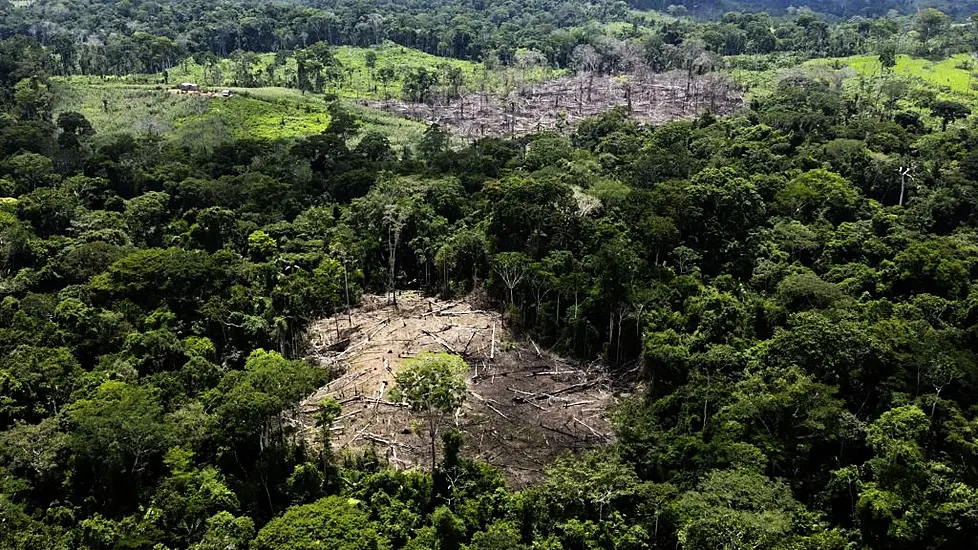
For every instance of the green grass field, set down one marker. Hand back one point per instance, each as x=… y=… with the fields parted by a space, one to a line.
x=118 y=106
x=356 y=79
x=362 y=82
x=756 y=74
x=952 y=78
x=948 y=76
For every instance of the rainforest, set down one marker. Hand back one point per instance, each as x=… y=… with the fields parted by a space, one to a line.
x=488 y=275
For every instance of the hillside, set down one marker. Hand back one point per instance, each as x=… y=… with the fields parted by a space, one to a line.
x=354 y=76
x=952 y=78
x=204 y=120
x=267 y=102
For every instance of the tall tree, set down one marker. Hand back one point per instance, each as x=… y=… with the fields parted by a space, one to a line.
x=432 y=385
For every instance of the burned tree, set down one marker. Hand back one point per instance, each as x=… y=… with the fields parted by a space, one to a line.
x=588 y=61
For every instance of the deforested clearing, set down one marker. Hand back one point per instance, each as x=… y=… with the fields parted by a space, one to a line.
x=562 y=103
x=524 y=405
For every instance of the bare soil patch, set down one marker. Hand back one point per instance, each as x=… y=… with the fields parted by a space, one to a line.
x=198 y=93
x=561 y=104
x=524 y=407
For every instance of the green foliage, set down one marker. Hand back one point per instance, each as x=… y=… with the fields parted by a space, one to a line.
x=190 y=498
x=432 y=384
x=949 y=111
x=340 y=521
x=260 y=244
x=44 y=381
x=498 y=536
x=819 y=195
x=251 y=401
x=226 y=532
x=791 y=287
x=734 y=509
x=117 y=432
x=32 y=99
x=807 y=290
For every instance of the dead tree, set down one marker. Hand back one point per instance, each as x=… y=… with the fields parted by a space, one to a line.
x=587 y=60
x=395 y=217
x=905 y=172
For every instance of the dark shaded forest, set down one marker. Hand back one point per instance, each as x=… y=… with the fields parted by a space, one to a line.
x=146 y=36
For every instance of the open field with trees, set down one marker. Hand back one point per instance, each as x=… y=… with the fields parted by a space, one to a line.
x=155 y=110
x=350 y=72
x=206 y=120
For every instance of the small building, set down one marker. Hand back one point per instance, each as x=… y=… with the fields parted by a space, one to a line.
x=188 y=87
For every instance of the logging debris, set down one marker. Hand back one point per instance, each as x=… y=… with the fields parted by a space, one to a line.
x=524 y=403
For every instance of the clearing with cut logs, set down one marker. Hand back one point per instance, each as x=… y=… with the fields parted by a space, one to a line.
x=524 y=407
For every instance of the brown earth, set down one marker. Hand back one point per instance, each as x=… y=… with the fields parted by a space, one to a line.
x=562 y=103
x=525 y=406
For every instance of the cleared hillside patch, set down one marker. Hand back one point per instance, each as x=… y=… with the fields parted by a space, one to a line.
x=525 y=406
x=564 y=102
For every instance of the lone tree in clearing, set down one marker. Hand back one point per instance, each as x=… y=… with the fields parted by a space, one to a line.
x=432 y=384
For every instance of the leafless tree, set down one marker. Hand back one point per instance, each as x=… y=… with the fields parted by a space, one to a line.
x=588 y=61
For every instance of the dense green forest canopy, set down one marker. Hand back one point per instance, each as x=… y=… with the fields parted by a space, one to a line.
x=149 y=36
x=838 y=8
x=792 y=289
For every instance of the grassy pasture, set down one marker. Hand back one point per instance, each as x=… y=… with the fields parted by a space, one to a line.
x=923 y=80
x=114 y=108
x=357 y=80
x=118 y=106
x=952 y=77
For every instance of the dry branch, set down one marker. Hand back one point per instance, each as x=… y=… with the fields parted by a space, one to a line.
x=559 y=431
x=536 y=396
x=374 y=437
x=530 y=402
x=382 y=402
x=539 y=354
x=596 y=434
x=440 y=311
x=495 y=410
x=574 y=388
x=478 y=377
x=441 y=341
x=471 y=336
x=492 y=350
x=347 y=415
